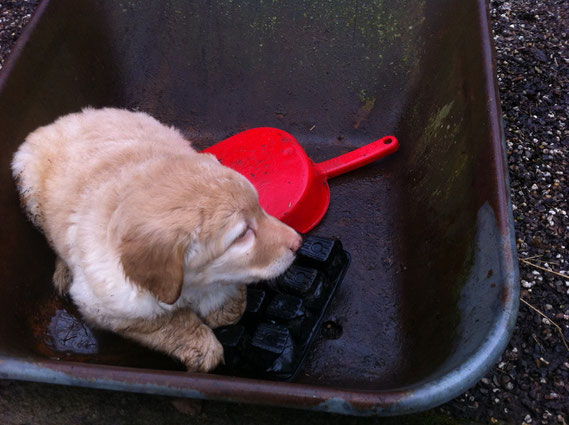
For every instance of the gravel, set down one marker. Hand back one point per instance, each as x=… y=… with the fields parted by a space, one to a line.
x=14 y=15
x=530 y=385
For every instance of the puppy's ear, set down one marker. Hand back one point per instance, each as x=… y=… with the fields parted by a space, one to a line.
x=155 y=263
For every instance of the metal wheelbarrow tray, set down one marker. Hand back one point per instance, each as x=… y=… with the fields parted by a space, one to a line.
x=430 y=300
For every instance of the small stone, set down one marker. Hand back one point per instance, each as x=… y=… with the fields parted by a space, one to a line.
x=527 y=284
x=495 y=381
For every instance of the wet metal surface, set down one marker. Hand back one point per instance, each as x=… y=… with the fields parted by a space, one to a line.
x=431 y=296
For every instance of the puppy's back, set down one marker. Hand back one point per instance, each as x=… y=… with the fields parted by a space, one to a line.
x=62 y=165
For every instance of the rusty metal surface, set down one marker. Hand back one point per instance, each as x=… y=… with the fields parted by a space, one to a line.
x=431 y=297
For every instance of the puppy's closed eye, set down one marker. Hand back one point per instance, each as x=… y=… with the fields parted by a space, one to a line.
x=245 y=236
x=239 y=234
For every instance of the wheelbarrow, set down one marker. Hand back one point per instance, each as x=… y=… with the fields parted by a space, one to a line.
x=430 y=299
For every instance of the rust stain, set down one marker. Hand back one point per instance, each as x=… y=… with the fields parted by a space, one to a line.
x=364 y=112
x=506 y=295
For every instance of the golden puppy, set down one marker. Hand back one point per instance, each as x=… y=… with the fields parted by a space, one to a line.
x=154 y=240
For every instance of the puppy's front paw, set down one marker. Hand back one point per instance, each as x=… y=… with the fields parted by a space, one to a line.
x=205 y=354
x=62 y=276
x=230 y=312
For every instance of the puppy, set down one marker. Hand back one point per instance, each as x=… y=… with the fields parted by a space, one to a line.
x=154 y=240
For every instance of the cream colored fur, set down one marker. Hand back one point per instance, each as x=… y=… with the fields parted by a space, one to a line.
x=154 y=240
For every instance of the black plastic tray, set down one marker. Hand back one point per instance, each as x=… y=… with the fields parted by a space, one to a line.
x=282 y=318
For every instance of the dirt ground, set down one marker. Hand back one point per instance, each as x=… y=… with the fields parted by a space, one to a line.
x=530 y=385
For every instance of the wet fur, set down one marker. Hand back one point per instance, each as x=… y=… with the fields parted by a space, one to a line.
x=151 y=236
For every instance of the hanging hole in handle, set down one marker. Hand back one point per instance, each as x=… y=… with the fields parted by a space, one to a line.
x=388 y=141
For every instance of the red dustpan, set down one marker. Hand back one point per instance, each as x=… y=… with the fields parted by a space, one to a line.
x=291 y=186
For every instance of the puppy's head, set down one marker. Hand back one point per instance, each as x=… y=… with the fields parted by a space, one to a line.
x=196 y=222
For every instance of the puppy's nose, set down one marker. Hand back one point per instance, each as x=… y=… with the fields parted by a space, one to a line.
x=296 y=243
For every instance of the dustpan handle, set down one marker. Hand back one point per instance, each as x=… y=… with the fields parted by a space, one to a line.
x=358 y=158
